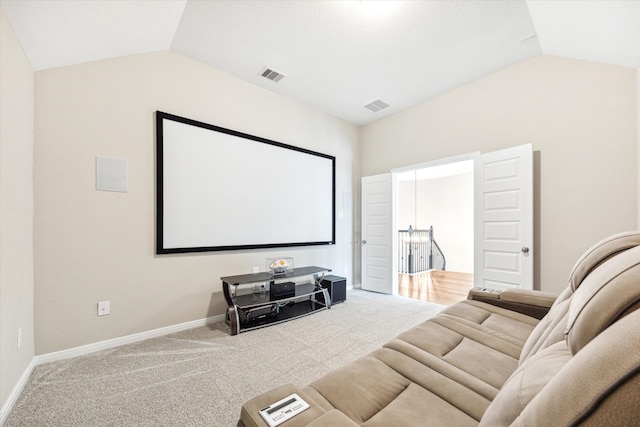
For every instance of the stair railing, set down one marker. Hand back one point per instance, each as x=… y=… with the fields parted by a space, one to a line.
x=418 y=251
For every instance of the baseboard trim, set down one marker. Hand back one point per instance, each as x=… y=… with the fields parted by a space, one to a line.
x=127 y=339
x=15 y=393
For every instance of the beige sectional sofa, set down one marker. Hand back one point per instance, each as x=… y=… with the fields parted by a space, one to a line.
x=516 y=357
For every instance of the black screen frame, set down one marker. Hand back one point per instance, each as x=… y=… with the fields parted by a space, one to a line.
x=160 y=186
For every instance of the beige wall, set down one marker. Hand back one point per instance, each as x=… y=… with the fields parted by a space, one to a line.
x=93 y=246
x=580 y=118
x=638 y=135
x=16 y=210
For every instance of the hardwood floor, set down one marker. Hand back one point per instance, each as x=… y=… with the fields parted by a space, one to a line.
x=440 y=287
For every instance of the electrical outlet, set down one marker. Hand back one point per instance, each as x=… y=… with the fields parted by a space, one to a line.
x=104 y=308
x=19 y=338
x=256 y=270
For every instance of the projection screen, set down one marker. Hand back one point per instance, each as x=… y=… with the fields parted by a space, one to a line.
x=219 y=189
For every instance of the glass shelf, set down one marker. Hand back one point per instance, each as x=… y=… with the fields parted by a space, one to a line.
x=252 y=300
x=255 y=310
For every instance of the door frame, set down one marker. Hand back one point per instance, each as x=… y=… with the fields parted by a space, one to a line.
x=453 y=159
x=394 y=198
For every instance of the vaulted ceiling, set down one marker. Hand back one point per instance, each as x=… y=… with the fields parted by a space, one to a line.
x=337 y=56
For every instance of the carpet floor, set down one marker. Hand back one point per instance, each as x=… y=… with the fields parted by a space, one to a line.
x=202 y=376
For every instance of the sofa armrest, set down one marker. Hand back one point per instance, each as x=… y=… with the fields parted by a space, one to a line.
x=532 y=303
x=526 y=296
x=250 y=417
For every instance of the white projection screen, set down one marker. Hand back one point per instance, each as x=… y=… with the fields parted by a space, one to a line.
x=218 y=189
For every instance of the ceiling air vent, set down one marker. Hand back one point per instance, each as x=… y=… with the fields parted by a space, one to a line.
x=376 y=105
x=272 y=75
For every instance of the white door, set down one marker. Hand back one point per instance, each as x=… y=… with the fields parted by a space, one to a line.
x=503 y=199
x=377 y=240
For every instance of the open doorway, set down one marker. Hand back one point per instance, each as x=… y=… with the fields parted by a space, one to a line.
x=502 y=212
x=434 y=208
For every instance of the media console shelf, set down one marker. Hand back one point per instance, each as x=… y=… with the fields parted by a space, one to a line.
x=248 y=309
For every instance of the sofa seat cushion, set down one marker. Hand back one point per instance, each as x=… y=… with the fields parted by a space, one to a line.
x=454 y=346
x=491 y=326
x=442 y=367
x=506 y=324
x=481 y=334
x=419 y=407
x=371 y=390
x=452 y=392
x=362 y=388
x=333 y=418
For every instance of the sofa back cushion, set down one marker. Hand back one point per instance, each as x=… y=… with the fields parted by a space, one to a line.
x=609 y=293
x=552 y=327
x=524 y=384
x=598 y=386
x=600 y=252
x=598 y=361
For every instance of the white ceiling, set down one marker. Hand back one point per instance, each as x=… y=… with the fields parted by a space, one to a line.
x=337 y=55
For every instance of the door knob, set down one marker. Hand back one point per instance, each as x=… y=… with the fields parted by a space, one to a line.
x=525 y=249
x=364 y=242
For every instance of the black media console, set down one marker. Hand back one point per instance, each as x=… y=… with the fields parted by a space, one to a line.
x=254 y=307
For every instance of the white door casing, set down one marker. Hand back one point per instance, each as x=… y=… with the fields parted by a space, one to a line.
x=503 y=205
x=377 y=238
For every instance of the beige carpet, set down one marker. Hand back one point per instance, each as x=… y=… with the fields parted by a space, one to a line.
x=202 y=376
